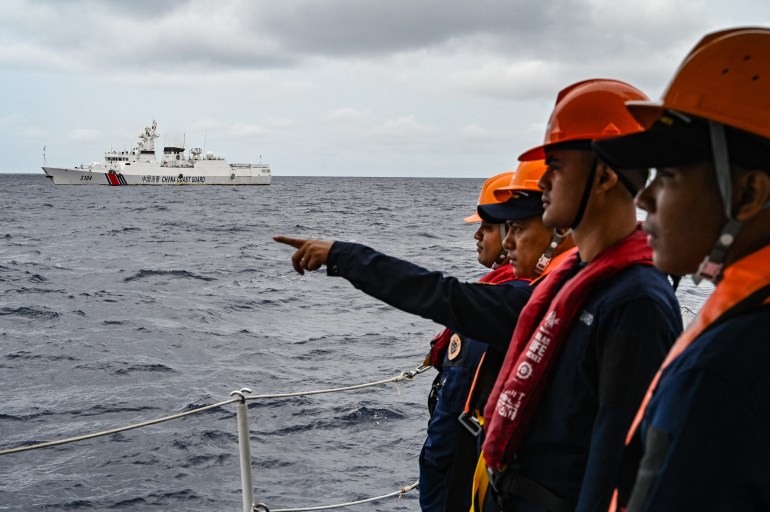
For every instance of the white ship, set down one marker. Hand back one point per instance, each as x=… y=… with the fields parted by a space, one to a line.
x=140 y=167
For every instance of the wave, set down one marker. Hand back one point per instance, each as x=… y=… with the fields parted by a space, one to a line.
x=144 y=274
x=361 y=416
x=125 y=369
x=24 y=289
x=29 y=356
x=128 y=229
x=144 y=368
x=100 y=409
x=31 y=313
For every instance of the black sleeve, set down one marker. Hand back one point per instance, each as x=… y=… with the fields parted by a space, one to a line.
x=637 y=336
x=484 y=312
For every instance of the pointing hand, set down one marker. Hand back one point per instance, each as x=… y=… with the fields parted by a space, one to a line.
x=310 y=255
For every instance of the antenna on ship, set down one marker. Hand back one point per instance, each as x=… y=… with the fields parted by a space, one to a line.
x=45 y=162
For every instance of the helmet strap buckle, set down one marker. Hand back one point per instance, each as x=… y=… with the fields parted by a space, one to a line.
x=547 y=256
x=542 y=262
x=711 y=267
x=708 y=270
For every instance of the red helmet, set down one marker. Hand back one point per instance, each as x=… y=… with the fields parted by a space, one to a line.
x=589 y=110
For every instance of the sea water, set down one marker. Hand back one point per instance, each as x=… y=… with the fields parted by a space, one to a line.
x=124 y=304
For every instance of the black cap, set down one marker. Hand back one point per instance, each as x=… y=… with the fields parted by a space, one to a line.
x=677 y=139
x=523 y=205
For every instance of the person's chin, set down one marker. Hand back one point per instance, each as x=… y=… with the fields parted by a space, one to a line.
x=551 y=221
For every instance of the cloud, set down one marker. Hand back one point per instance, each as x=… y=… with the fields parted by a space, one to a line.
x=33 y=132
x=367 y=28
x=348 y=115
x=513 y=81
x=85 y=134
x=477 y=132
x=404 y=127
x=278 y=123
x=192 y=36
x=467 y=84
x=198 y=36
x=240 y=130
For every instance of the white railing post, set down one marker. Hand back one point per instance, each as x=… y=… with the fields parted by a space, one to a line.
x=244 y=446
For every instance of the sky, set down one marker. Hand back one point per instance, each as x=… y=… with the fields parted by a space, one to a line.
x=423 y=88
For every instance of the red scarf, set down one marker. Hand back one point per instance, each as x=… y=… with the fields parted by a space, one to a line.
x=740 y=280
x=440 y=342
x=543 y=327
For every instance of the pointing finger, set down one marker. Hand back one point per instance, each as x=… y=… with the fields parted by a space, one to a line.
x=294 y=242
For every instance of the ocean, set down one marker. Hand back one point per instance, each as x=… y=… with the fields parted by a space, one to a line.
x=125 y=304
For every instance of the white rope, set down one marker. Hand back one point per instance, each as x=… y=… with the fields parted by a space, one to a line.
x=262 y=508
x=398 y=378
x=116 y=430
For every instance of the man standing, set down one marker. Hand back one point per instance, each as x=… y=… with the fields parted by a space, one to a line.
x=594 y=331
x=705 y=432
x=471 y=310
x=449 y=452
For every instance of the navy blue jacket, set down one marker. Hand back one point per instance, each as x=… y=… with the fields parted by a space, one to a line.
x=448 y=457
x=707 y=427
x=574 y=444
x=487 y=313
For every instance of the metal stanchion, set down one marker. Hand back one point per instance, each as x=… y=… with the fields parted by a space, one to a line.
x=244 y=446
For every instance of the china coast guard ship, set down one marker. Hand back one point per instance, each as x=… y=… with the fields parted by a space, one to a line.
x=140 y=167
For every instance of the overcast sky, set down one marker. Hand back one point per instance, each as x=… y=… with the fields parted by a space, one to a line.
x=326 y=87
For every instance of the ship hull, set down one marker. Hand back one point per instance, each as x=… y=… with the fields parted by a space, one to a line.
x=155 y=175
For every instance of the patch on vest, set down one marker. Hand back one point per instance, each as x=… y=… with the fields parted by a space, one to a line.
x=455 y=344
x=586 y=317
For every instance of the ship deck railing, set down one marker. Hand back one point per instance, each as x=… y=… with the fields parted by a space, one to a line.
x=250 y=166
x=240 y=398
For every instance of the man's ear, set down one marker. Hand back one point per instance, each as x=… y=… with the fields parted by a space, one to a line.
x=752 y=191
x=606 y=176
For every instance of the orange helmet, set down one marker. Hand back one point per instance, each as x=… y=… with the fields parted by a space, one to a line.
x=519 y=198
x=527 y=176
x=724 y=79
x=487 y=195
x=718 y=96
x=589 y=110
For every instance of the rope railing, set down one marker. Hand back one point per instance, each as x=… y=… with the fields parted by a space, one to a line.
x=261 y=507
x=403 y=376
x=240 y=397
x=406 y=375
x=147 y=423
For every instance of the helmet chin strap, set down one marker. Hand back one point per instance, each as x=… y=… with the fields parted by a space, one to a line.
x=503 y=252
x=586 y=194
x=711 y=267
x=547 y=256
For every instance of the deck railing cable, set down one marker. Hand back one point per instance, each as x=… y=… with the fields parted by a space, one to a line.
x=261 y=507
x=240 y=397
x=403 y=376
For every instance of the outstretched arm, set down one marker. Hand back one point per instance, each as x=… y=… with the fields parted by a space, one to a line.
x=484 y=312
